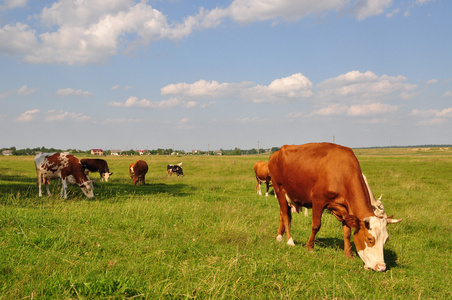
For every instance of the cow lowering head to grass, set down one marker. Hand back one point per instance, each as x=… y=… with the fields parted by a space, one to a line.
x=324 y=175
x=63 y=166
x=137 y=172
x=96 y=165
x=262 y=175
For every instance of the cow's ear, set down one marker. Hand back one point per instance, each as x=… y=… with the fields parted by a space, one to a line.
x=352 y=221
x=111 y=173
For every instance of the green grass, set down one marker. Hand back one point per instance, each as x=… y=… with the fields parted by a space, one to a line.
x=209 y=236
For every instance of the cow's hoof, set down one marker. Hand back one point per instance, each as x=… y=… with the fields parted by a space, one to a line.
x=279 y=238
x=290 y=242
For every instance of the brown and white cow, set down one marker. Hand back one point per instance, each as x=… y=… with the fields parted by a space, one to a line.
x=324 y=175
x=96 y=165
x=262 y=175
x=64 y=166
x=137 y=172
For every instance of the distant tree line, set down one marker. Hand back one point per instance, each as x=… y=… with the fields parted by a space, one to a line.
x=131 y=152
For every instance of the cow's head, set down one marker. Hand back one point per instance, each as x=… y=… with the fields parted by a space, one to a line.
x=87 y=188
x=370 y=236
x=106 y=175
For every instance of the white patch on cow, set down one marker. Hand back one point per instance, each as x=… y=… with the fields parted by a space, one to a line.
x=290 y=242
x=259 y=188
x=279 y=238
x=373 y=257
x=105 y=176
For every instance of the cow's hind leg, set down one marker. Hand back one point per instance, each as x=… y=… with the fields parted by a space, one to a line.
x=268 y=186
x=285 y=217
x=258 y=187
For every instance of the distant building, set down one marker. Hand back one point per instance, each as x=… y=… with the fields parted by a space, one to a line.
x=7 y=152
x=217 y=152
x=141 y=152
x=115 y=152
x=99 y=152
x=196 y=152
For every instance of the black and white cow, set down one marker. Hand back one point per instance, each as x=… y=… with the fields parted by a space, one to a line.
x=177 y=169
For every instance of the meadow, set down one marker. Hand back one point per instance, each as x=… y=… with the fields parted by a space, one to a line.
x=209 y=236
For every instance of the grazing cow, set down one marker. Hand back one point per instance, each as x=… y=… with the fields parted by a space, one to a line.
x=324 y=175
x=170 y=169
x=96 y=165
x=262 y=175
x=137 y=172
x=64 y=166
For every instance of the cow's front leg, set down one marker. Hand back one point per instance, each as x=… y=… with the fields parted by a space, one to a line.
x=316 y=224
x=63 y=188
x=347 y=245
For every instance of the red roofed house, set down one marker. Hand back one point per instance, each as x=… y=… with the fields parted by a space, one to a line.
x=97 y=152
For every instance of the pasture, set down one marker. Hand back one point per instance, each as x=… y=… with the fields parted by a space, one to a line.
x=209 y=236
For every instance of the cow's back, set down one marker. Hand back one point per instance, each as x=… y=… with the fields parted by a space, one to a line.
x=261 y=170
x=305 y=169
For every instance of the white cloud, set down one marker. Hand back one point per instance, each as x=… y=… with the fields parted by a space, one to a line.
x=25 y=90
x=51 y=116
x=366 y=86
x=448 y=94
x=11 y=4
x=368 y=8
x=72 y=92
x=27 y=116
x=357 y=110
x=133 y=102
x=432 y=116
x=93 y=31
x=431 y=81
x=294 y=87
x=203 y=89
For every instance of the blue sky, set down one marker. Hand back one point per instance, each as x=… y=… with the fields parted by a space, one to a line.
x=121 y=74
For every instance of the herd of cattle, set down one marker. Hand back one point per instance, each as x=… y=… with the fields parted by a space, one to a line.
x=317 y=176
x=70 y=169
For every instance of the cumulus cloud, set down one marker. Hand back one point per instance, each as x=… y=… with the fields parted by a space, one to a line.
x=203 y=89
x=27 y=116
x=357 y=110
x=448 y=94
x=71 y=92
x=432 y=116
x=51 y=116
x=25 y=90
x=93 y=31
x=294 y=87
x=365 y=86
x=11 y=4
x=133 y=102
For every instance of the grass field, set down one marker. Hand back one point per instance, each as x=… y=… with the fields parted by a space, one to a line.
x=209 y=236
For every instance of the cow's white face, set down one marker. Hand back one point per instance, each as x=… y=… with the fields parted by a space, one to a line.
x=369 y=241
x=106 y=176
x=88 y=188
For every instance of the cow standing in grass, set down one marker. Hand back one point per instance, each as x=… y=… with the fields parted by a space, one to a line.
x=262 y=175
x=137 y=172
x=64 y=166
x=96 y=165
x=324 y=175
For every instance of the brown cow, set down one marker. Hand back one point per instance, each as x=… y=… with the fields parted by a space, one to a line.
x=324 y=175
x=96 y=165
x=64 y=166
x=262 y=175
x=137 y=172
